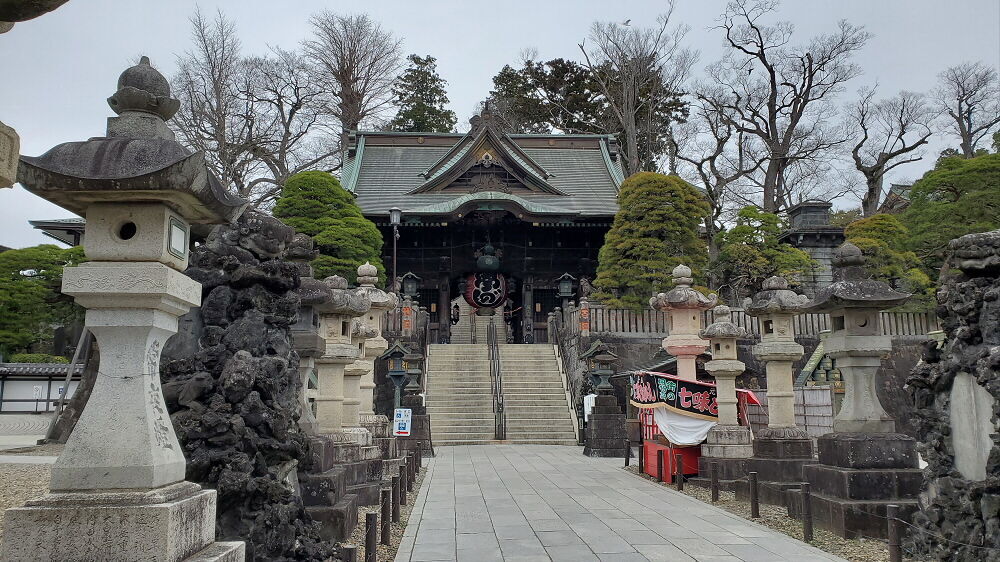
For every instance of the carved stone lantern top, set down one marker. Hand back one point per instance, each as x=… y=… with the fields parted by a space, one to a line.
x=380 y=300
x=775 y=298
x=137 y=162
x=852 y=287
x=723 y=326
x=683 y=296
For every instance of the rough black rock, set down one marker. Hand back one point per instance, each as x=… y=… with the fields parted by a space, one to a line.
x=231 y=384
x=959 y=519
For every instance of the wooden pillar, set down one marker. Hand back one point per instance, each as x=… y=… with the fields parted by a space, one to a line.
x=528 y=312
x=444 y=308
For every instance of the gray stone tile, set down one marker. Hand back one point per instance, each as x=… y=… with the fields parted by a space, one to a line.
x=663 y=553
x=623 y=557
x=480 y=555
x=513 y=548
x=436 y=536
x=426 y=552
x=484 y=541
x=571 y=554
x=559 y=538
x=548 y=525
x=635 y=537
x=698 y=547
x=749 y=552
x=436 y=523
x=514 y=532
x=724 y=537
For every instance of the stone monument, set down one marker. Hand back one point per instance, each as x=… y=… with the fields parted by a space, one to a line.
x=780 y=449
x=685 y=306
x=956 y=390
x=809 y=230
x=118 y=489
x=728 y=444
x=605 y=431
x=863 y=465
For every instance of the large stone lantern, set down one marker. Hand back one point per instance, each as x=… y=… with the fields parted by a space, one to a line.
x=728 y=443
x=685 y=306
x=863 y=465
x=336 y=326
x=375 y=344
x=118 y=489
x=780 y=449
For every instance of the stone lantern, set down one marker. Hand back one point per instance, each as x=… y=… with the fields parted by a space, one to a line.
x=118 y=489
x=336 y=326
x=780 y=449
x=878 y=465
x=728 y=443
x=606 y=435
x=305 y=332
x=375 y=344
x=685 y=306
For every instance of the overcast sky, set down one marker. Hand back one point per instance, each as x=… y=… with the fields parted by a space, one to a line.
x=57 y=71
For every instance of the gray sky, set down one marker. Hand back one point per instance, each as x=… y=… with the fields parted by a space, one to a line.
x=56 y=71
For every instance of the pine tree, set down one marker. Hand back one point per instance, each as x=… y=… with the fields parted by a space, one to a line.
x=882 y=239
x=314 y=203
x=655 y=229
x=420 y=95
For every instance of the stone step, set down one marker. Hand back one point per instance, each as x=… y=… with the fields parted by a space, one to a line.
x=555 y=441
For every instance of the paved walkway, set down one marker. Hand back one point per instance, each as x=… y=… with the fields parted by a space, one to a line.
x=537 y=502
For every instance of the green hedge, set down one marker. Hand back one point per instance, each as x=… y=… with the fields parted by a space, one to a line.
x=37 y=358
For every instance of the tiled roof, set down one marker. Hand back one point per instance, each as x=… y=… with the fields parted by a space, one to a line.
x=381 y=174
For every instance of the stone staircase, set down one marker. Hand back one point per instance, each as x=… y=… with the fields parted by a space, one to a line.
x=460 y=401
x=461 y=333
x=537 y=409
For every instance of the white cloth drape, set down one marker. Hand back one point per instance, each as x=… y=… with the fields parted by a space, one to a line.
x=680 y=429
x=588 y=405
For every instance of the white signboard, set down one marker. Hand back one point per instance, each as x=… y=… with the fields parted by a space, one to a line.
x=37 y=392
x=401 y=422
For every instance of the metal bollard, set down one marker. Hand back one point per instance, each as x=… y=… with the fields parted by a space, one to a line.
x=411 y=473
x=679 y=472
x=659 y=465
x=349 y=553
x=895 y=549
x=807 y=513
x=628 y=451
x=371 y=537
x=403 y=477
x=754 y=498
x=420 y=456
x=642 y=455
x=386 y=516
x=714 y=472
x=395 y=499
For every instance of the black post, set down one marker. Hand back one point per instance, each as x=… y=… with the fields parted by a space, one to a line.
x=403 y=477
x=659 y=465
x=386 y=516
x=371 y=537
x=895 y=551
x=350 y=553
x=395 y=499
x=628 y=451
x=807 y=513
x=420 y=456
x=642 y=452
x=754 y=499
x=714 y=472
x=679 y=472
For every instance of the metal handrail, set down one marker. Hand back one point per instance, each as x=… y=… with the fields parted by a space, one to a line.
x=496 y=383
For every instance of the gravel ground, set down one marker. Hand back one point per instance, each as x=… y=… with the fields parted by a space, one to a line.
x=53 y=450
x=22 y=482
x=396 y=533
x=859 y=550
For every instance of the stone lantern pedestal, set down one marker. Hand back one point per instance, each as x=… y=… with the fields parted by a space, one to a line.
x=605 y=432
x=728 y=445
x=781 y=449
x=863 y=465
x=118 y=489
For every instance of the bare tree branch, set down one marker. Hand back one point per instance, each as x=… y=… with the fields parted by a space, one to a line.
x=969 y=94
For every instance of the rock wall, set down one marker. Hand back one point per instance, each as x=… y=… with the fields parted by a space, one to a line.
x=955 y=390
x=230 y=380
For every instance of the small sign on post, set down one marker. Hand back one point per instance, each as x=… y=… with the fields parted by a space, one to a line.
x=401 y=421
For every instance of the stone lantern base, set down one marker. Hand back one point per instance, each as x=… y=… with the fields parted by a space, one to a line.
x=729 y=447
x=778 y=457
x=343 y=476
x=605 y=429
x=858 y=475
x=168 y=524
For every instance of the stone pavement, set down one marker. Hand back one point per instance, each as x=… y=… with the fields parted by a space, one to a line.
x=539 y=502
x=22 y=430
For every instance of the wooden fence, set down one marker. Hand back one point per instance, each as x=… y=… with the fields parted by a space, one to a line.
x=597 y=319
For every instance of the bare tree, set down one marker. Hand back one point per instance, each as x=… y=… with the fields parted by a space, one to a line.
x=889 y=133
x=717 y=154
x=638 y=70
x=784 y=94
x=259 y=120
x=357 y=61
x=970 y=95
x=214 y=117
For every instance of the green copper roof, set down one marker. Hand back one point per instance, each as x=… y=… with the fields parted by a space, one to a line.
x=483 y=198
